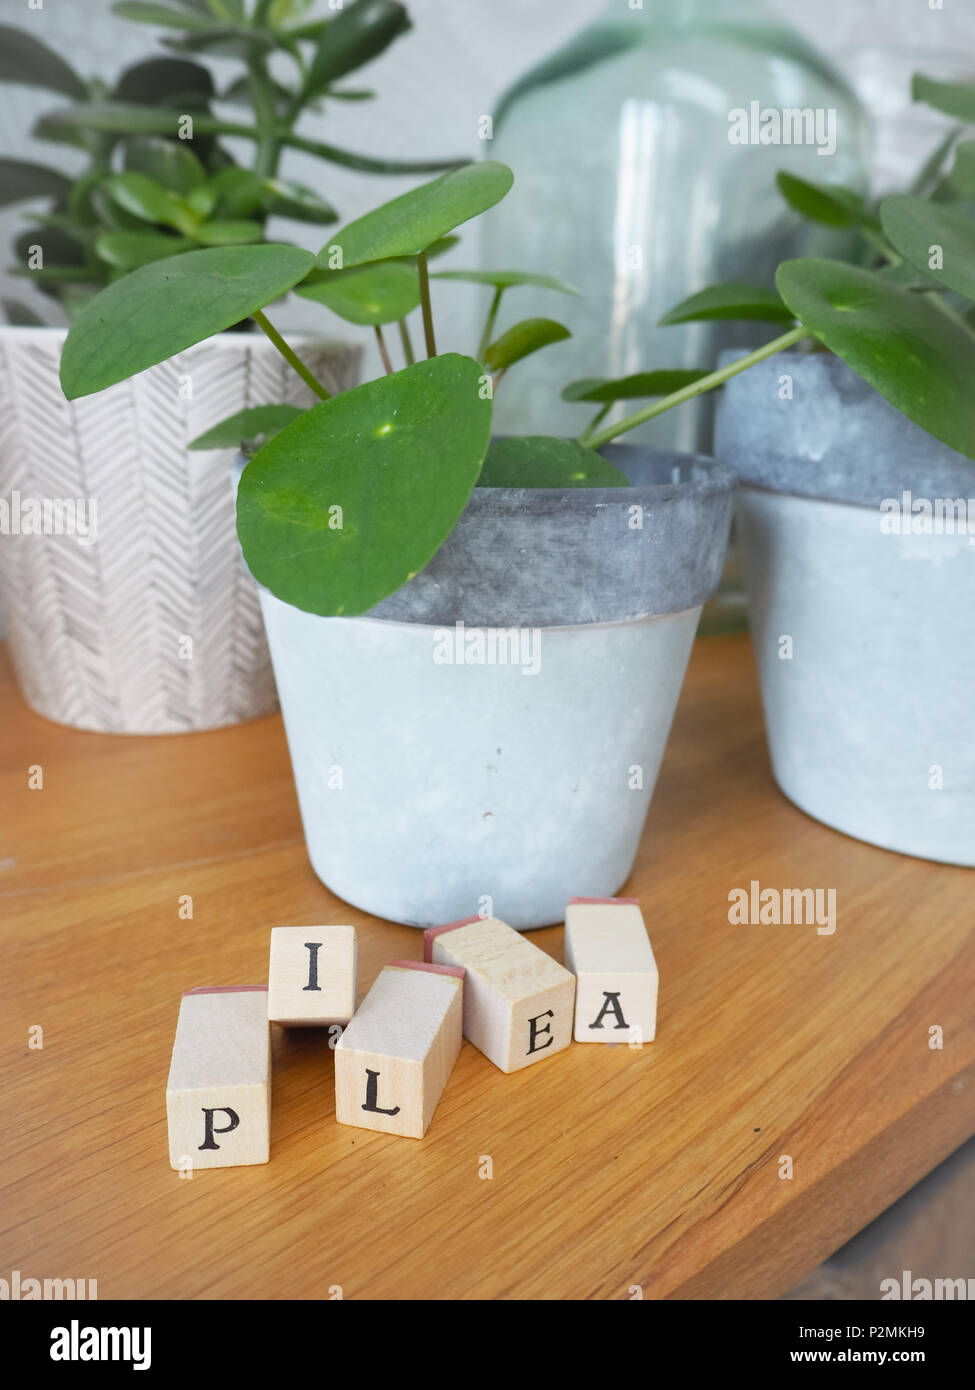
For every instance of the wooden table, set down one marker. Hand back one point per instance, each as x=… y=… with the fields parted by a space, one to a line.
x=612 y=1167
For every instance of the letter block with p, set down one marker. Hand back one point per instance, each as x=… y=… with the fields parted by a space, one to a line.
x=517 y=1000
x=218 y=1098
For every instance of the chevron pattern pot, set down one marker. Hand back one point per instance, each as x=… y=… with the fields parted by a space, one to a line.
x=150 y=624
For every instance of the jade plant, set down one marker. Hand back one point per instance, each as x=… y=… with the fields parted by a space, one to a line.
x=902 y=317
x=158 y=181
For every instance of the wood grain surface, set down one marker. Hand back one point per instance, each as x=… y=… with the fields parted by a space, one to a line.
x=612 y=1168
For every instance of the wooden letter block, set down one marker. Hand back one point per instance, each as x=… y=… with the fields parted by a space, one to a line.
x=218 y=1098
x=607 y=947
x=517 y=1000
x=393 y=1060
x=312 y=975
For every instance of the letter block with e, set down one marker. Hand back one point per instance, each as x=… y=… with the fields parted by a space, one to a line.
x=517 y=1000
x=609 y=951
x=218 y=1098
x=393 y=1060
x=312 y=975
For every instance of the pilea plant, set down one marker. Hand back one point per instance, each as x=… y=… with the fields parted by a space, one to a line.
x=158 y=181
x=902 y=318
x=344 y=502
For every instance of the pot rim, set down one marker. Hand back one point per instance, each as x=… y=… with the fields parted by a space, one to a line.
x=563 y=557
x=837 y=439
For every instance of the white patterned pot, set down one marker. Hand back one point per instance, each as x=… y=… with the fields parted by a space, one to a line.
x=123 y=597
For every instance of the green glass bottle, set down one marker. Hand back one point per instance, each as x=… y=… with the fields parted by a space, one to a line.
x=642 y=174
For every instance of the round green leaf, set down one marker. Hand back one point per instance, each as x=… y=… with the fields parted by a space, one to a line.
x=831 y=204
x=731 y=301
x=410 y=223
x=354 y=498
x=26 y=60
x=625 y=388
x=20 y=179
x=146 y=12
x=355 y=36
x=918 y=228
x=237 y=233
x=374 y=295
x=954 y=98
x=169 y=162
x=129 y=250
x=257 y=424
x=145 y=198
x=238 y=192
x=164 y=80
x=287 y=199
x=521 y=340
x=962 y=176
x=540 y=461
x=505 y=279
x=166 y=307
x=916 y=357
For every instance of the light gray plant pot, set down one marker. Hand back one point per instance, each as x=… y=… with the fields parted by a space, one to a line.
x=433 y=788
x=150 y=627
x=862 y=636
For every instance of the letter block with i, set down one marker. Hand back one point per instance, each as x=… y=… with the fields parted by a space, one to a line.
x=607 y=947
x=312 y=975
x=517 y=1000
x=218 y=1098
x=393 y=1060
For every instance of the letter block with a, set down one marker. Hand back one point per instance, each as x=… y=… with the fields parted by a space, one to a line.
x=517 y=1000
x=218 y=1098
x=609 y=951
x=312 y=975
x=393 y=1060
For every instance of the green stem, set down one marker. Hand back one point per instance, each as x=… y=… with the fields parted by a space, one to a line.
x=424 y=274
x=934 y=297
x=383 y=350
x=404 y=337
x=268 y=141
x=696 y=388
x=880 y=244
x=489 y=323
x=290 y=356
x=590 y=429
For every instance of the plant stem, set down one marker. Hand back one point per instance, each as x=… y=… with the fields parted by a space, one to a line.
x=424 y=274
x=489 y=323
x=696 y=388
x=383 y=350
x=881 y=244
x=268 y=142
x=594 y=422
x=290 y=356
x=404 y=337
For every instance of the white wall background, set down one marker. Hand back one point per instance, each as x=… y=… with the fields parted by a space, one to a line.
x=434 y=83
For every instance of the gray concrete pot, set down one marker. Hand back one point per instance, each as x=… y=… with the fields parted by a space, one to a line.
x=437 y=780
x=862 y=629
